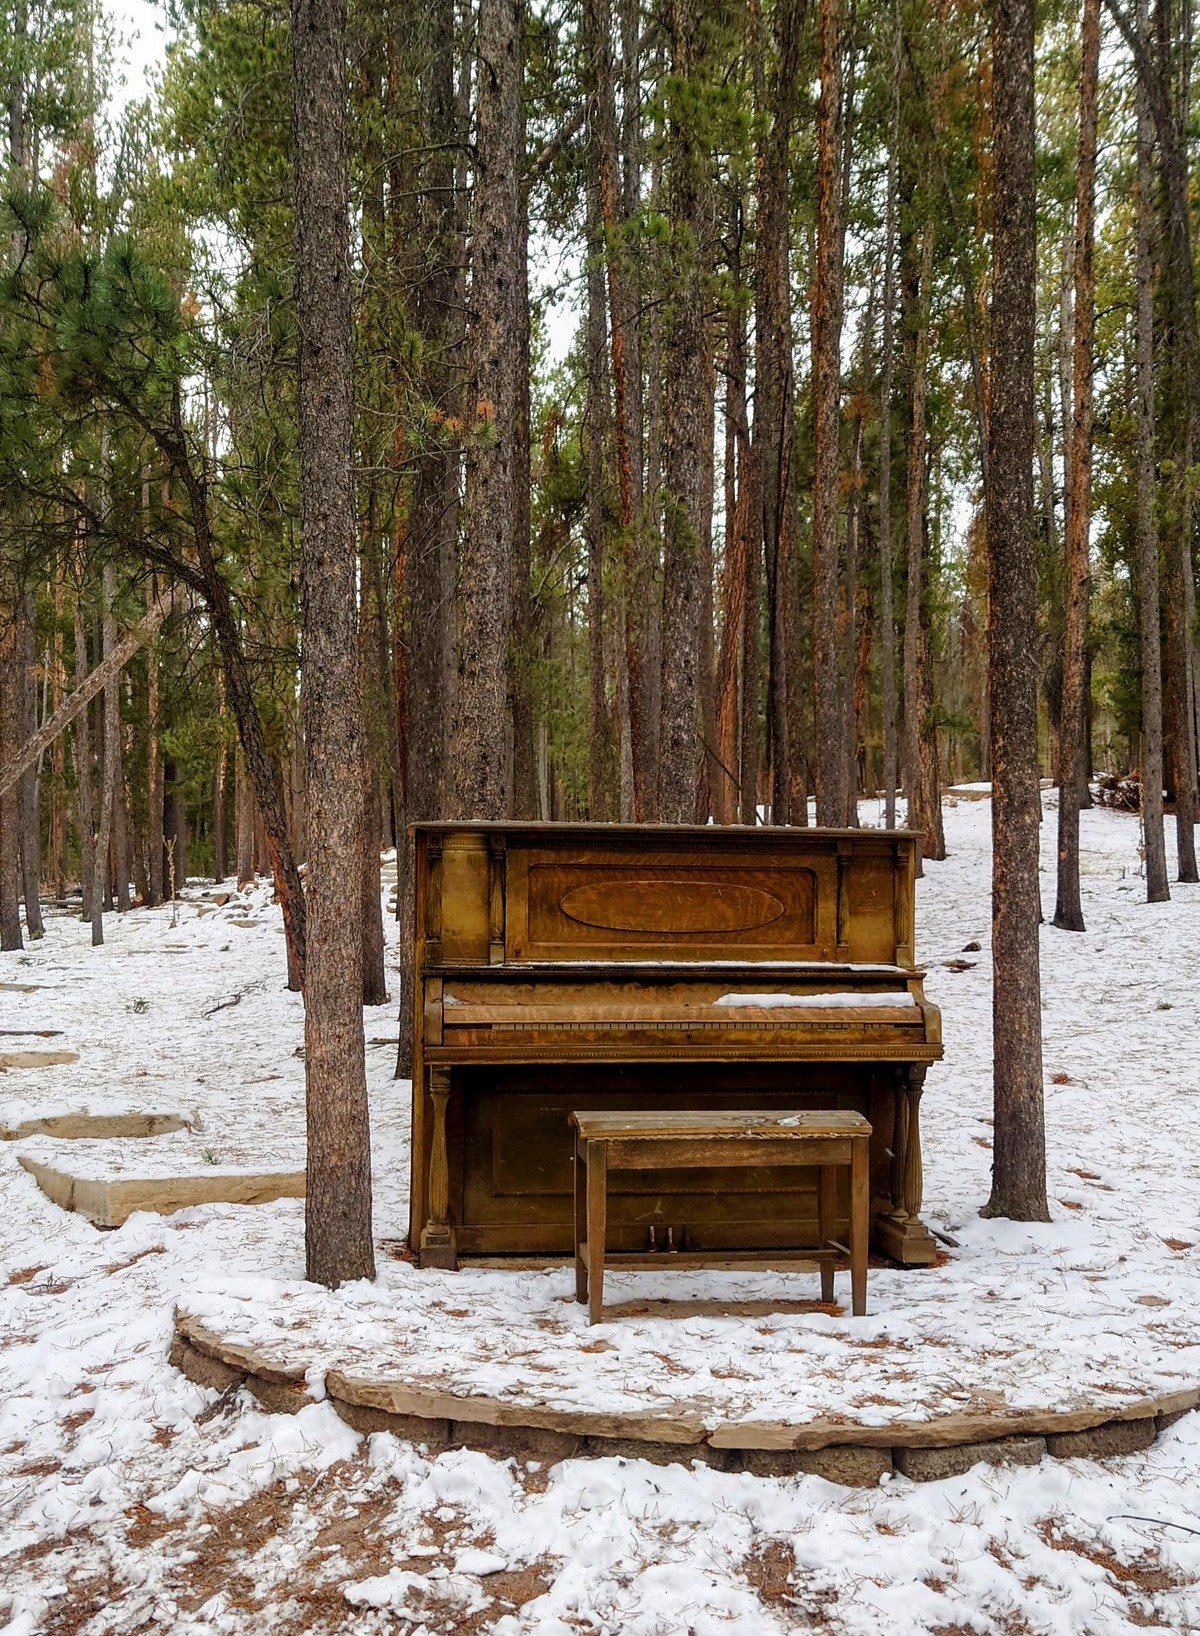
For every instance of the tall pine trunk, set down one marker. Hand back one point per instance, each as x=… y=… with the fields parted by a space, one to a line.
x=1074 y=745
x=31 y=835
x=689 y=422
x=887 y=619
x=832 y=796
x=480 y=785
x=338 y=1238
x=1019 y=1154
x=1157 y=887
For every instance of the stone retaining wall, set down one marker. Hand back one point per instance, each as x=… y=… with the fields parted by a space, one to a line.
x=855 y=1455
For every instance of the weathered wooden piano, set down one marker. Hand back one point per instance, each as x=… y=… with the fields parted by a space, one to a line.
x=588 y=966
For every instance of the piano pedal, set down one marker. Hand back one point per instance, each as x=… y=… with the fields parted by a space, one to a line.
x=672 y=1247
x=651 y=1238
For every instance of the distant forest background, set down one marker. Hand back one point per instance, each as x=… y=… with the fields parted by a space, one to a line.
x=723 y=553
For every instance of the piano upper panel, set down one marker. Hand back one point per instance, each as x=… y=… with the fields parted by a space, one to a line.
x=513 y=894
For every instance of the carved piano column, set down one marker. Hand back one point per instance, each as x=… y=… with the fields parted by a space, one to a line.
x=901 y=1233
x=438 y=1247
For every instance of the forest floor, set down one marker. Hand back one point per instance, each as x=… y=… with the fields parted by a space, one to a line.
x=134 y=1501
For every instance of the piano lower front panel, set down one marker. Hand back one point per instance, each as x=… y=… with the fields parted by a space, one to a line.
x=509 y=1149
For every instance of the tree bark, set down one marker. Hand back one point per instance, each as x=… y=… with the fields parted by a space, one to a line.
x=832 y=799
x=887 y=619
x=1019 y=1155
x=601 y=744
x=220 y=792
x=338 y=1238
x=689 y=421
x=31 y=836
x=83 y=768
x=521 y=636
x=423 y=611
x=773 y=477
x=1074 y=747
x=245 y=823
x=1157 y=887
x=921 y=816
x=484 y=597
x=111 y=763
x=11 y=700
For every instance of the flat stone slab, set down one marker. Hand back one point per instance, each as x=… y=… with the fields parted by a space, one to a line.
x=108 y=1181
x=383 y=1398
x=37 y=1059
x=82 y=1126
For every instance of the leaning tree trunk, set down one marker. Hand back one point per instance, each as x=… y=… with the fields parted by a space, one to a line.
x=1157 y=887
x=1074 y=747
x=1019 y=1155
x=338 y=1239
x=489 y=513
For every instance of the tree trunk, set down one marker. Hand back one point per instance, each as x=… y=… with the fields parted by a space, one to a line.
x=83 y=769
x=887 y=619
x=338 y=1239
x=220 y=792
x=1157 y=888
x=1179 y=348
x=31 y=835
x=422 y=629
x=245 y=823
x=372 y=648
x=11 y=710
x=689 y=420
x=58 y=760
x=484 y=594
x=832 y=799
x=520 y=654
x=1074 y=748
x=109 y=771
x=773 y=476
x=916 y=655
x=1019 y=1155
x=601 y=745
x=739 y=520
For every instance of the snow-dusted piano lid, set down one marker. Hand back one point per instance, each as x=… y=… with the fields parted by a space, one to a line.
x=818 y=1001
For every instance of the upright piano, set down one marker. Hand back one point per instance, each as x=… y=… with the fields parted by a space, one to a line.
x=595 y=966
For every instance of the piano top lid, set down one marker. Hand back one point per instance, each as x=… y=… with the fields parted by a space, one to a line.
x=755 y=969
x=722 y=834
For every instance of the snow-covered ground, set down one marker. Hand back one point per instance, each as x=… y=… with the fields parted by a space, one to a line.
x=131 y=1500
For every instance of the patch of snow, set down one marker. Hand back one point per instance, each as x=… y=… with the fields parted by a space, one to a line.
x=842 y=999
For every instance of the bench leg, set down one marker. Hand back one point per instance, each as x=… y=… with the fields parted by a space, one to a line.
x=597 y=1188
x=826 y=1216
x=860 y=1206
x=580 y=1168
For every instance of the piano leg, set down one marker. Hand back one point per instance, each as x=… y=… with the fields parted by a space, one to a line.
x=438 y=1248
x=580 y=1169
x=826 y=1216
x=901 y=1233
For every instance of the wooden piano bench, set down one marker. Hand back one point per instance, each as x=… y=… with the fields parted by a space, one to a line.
x=829 y=1140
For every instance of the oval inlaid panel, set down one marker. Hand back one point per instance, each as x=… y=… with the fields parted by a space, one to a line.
x=671 y=906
